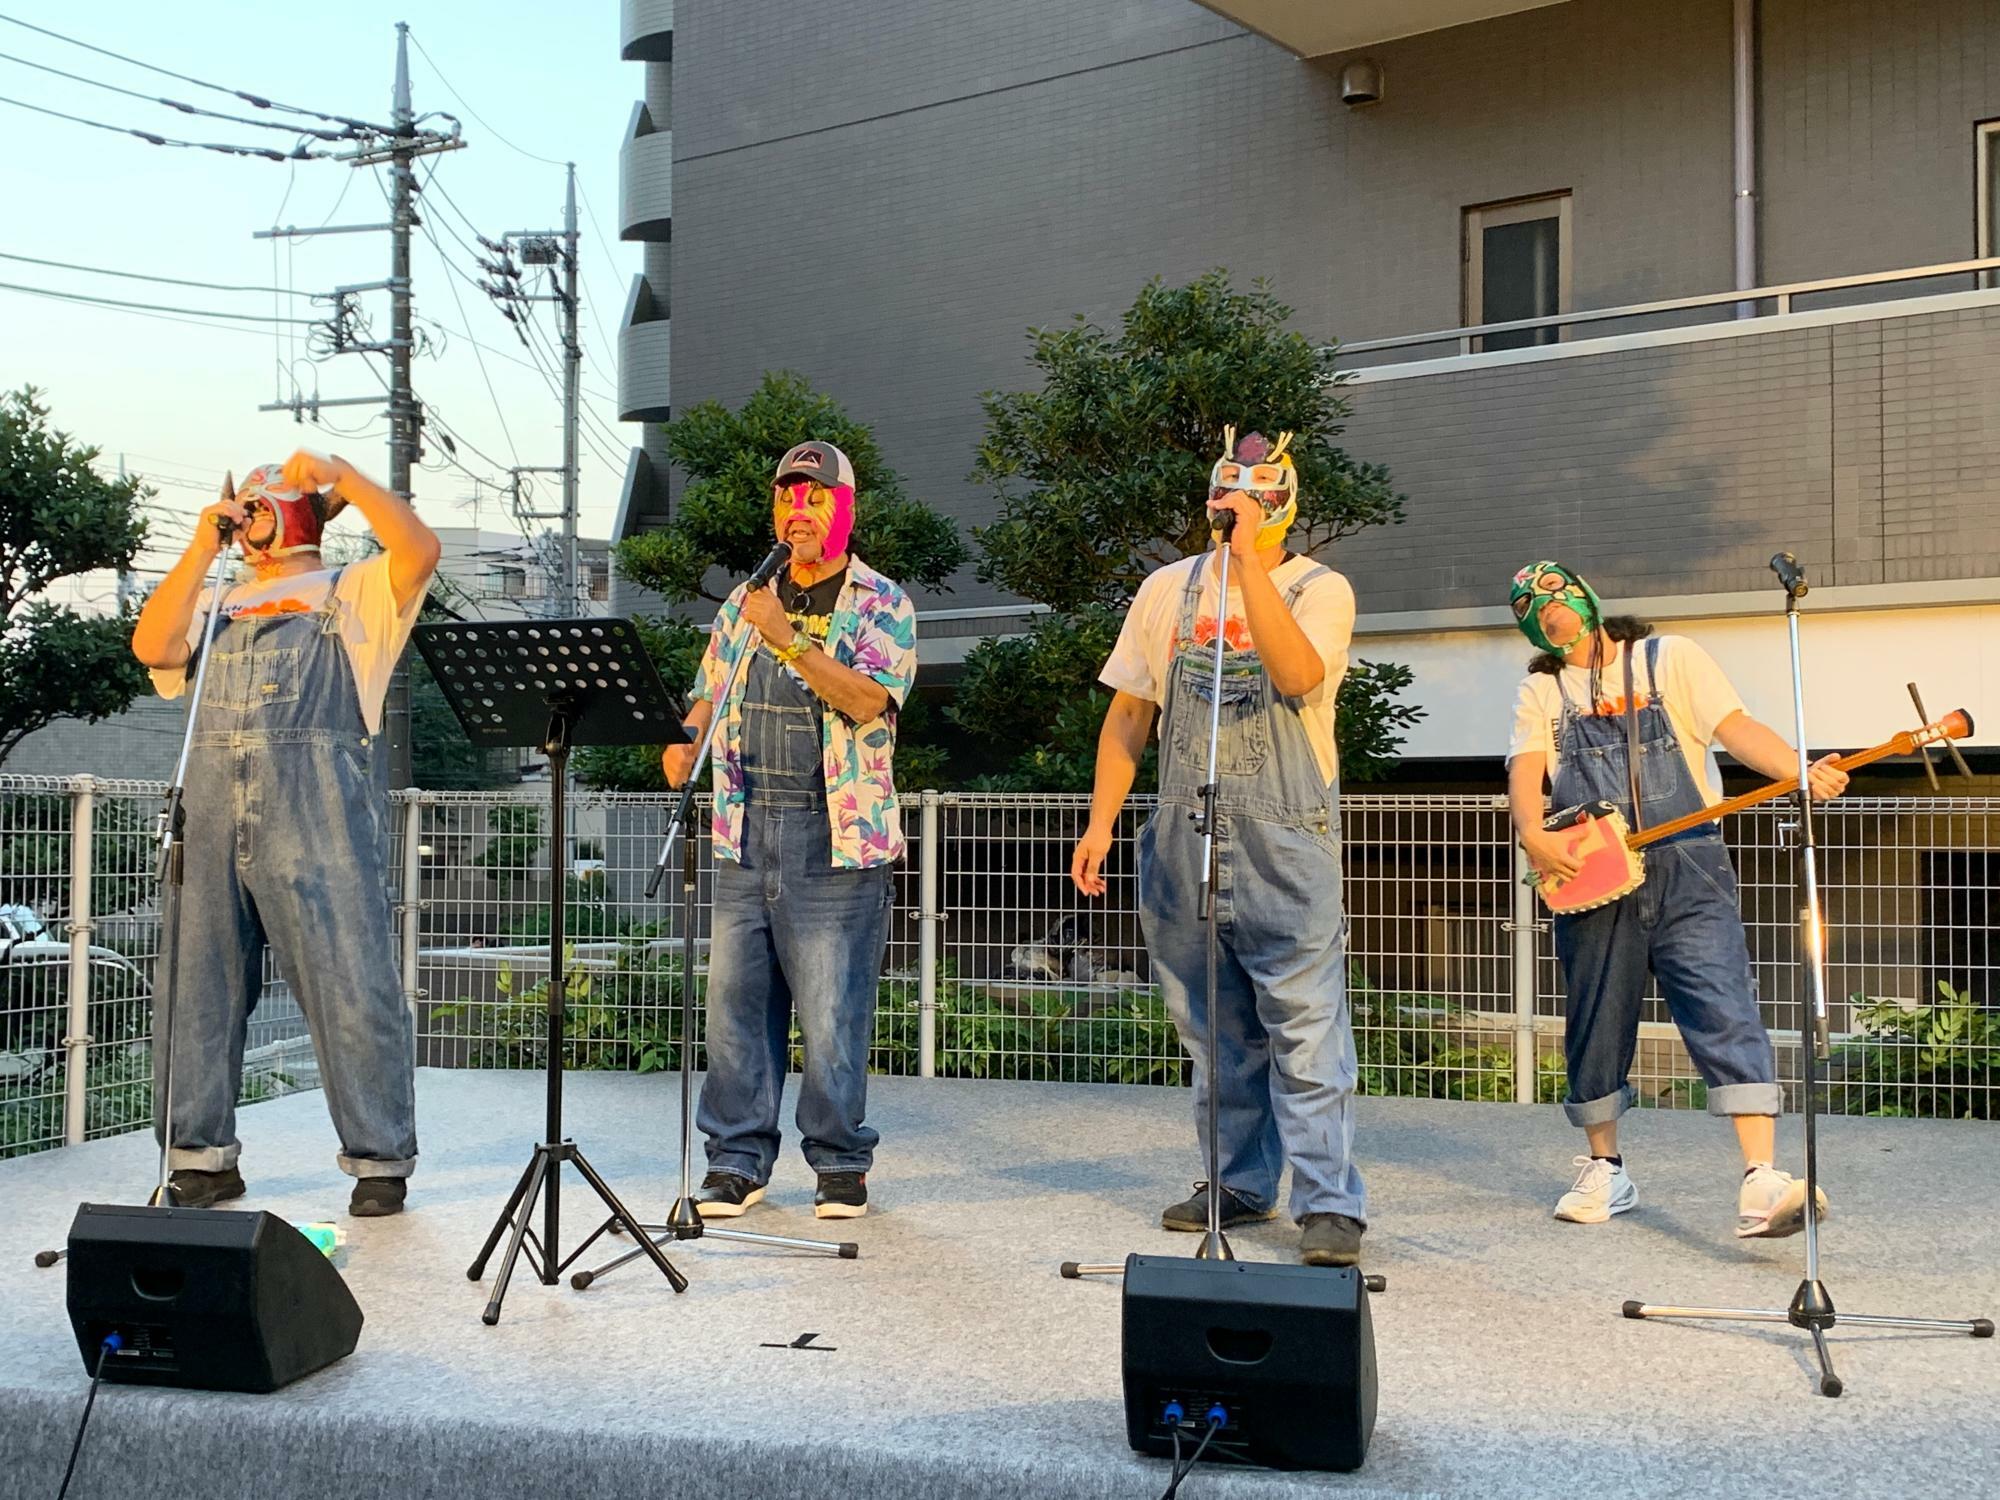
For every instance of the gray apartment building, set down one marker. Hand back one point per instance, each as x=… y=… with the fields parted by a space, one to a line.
x=886 y=194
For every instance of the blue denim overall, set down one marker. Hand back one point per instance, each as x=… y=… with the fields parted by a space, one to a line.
x=287 y=846
x=789 y=933
x=1286 y=1061
x=1682 y=926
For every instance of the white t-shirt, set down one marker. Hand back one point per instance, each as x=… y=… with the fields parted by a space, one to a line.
x=1698 y=697
x=1146 y=646
x=372 y=629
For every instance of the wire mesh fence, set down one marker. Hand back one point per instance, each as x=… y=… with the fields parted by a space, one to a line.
x=996 y=966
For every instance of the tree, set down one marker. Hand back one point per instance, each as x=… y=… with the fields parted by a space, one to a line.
x=59 y=519
x=721 y=529
x=723 y=520
x=1102 y=476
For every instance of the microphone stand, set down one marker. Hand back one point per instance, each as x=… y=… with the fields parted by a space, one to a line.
x=170 y=867
x=1214 y=1243
x=684 y=1220
x=1811 y=1305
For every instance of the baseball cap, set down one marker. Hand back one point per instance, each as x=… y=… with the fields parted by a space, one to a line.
x=821 y=461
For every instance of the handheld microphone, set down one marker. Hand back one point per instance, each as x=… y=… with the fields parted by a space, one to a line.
x=1790 y=574
x=1222 y=522
x=773 y=560
x=226 y=526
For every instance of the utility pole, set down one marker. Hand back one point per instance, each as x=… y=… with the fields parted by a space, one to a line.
x=399 y=148
x=551 y=247
x=572 y=380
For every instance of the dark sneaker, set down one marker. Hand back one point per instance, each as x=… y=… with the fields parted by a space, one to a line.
x=1191 y=1214
x=188 y=1188
x=724 y=1195
x=1330 y=1240
x=841 y=1195
x=377 y=1197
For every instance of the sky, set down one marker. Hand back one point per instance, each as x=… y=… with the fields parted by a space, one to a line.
x=177 y=398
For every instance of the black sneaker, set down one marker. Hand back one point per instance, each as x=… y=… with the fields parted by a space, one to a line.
x=724 y=1195
x=1191 y=1214
x=377 y=1197
x=841 y=1195
x=188 y=1188
x=1330 y=1240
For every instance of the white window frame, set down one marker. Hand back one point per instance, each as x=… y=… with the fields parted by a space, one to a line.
x=1475 y=220
x=1985 y=232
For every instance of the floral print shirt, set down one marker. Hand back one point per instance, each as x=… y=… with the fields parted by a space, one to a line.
x=875 y=633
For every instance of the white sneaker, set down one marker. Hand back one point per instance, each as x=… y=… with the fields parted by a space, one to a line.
x=1601 y=1190
x=1772 y=1204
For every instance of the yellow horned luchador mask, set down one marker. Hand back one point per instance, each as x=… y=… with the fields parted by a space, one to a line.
x=1265 y=473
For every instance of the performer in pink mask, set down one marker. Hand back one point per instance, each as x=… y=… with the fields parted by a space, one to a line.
x=806 y=832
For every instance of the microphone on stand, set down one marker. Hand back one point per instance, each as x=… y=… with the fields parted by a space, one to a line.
x=773 y=560
x=1222 y=522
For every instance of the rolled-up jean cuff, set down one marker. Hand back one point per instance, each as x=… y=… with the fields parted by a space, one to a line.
x=1746 y=1099
x=203 y=1158
x=1601 y=1111
x=361 y=1166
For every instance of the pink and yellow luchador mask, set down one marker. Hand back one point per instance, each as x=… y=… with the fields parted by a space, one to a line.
x=815 y=483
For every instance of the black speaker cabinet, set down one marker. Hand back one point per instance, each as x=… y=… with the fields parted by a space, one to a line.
x=204 y=1297
x=1287 y=1352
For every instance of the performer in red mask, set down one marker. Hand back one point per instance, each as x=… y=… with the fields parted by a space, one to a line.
x=287 y=821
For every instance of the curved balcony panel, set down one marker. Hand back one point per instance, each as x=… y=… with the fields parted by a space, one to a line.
x=646 y=30
x=646 y=181
x=644 y=365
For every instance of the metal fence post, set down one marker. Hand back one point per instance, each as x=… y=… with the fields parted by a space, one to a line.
x=77 y=1038
x=1523 y=927
x=928 y=919
x=413 y=902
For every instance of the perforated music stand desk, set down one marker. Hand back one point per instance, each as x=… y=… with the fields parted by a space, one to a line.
x=553 y=684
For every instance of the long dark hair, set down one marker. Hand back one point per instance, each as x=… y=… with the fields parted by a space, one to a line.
x=1621 y=628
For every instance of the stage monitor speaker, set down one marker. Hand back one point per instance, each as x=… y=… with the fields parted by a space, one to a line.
x=205 y=1298
x=1288 y=1353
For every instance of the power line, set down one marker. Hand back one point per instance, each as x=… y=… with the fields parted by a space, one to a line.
x=467 y=107
x=198 y=312
x=603 y=247
x=299 y=153
x=186 y=109
x=130 y=310
x=459 y=303
x=258 y=100
x=207 y=286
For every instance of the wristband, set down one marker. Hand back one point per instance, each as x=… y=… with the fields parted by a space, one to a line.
x=801 y=644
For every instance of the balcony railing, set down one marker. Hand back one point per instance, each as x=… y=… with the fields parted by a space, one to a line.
x=1747 y=303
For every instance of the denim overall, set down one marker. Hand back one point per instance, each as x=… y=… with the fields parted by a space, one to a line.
x=1682 y=926
x=789 y=933
x=1286 y=1062
x=287 y=845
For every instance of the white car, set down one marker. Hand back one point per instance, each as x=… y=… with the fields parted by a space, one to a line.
x=34 y=994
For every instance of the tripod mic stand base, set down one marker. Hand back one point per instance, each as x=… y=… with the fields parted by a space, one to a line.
x=684 y=1222
x=1812 y=1309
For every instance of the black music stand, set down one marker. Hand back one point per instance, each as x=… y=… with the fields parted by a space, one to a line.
x=552 y=683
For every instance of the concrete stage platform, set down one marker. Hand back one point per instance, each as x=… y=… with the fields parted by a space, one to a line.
x=962 y=1365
